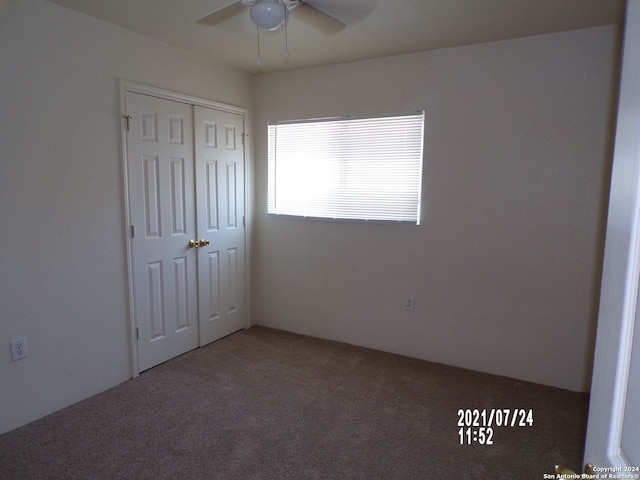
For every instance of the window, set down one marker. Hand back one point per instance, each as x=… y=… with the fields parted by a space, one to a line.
x=347 y=168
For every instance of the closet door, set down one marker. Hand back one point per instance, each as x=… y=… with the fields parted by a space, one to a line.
x=160 y=171
x=220 y=222
x=185 y=179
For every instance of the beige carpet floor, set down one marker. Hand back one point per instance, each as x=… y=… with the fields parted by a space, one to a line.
x=265 y=404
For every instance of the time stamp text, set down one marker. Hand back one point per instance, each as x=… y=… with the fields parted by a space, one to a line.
x=477 y=426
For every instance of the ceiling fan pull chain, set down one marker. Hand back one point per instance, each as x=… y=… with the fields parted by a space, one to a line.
x=258 y=34
x=286 y=37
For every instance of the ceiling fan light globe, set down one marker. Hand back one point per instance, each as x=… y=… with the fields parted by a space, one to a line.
x=268 y=14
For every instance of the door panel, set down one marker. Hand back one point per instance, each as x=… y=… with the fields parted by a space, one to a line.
x=220 y=186
x=211 y=197
x=613 y=431
x=160 y=175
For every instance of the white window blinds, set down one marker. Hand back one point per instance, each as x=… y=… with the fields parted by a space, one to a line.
x=349 y=168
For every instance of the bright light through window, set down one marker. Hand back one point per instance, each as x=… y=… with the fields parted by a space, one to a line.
x=348 y=168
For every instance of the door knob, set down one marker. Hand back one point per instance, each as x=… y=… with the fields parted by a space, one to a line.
x=203 y=243
x=193 y=244
x=589 y=472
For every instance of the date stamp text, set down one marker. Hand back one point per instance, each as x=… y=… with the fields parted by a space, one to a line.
x=477 y=426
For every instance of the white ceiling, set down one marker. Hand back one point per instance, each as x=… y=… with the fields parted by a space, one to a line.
x=375 y=28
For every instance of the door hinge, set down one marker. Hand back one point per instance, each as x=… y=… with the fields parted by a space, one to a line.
x=244 y=223
x=137 y=333
x=133 y=231
x=128 y=119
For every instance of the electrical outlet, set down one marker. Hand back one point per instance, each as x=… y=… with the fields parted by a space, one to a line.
x=410 y=303
x=19 y=348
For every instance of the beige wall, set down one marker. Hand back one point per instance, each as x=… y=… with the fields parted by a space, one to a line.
x=505 y=265
x=63 y=278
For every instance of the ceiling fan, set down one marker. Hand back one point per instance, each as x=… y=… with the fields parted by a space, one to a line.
x=271 y=14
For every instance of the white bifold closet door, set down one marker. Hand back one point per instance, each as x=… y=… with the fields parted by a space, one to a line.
x=185 y=176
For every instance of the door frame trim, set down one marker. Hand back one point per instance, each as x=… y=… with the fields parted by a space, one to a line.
x=124 y=87
x=619 y=302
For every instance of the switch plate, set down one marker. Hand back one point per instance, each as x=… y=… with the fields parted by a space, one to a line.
x=19 y=348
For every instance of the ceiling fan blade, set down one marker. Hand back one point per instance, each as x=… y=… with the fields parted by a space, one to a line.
x=222 y=14
x=317 y=19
